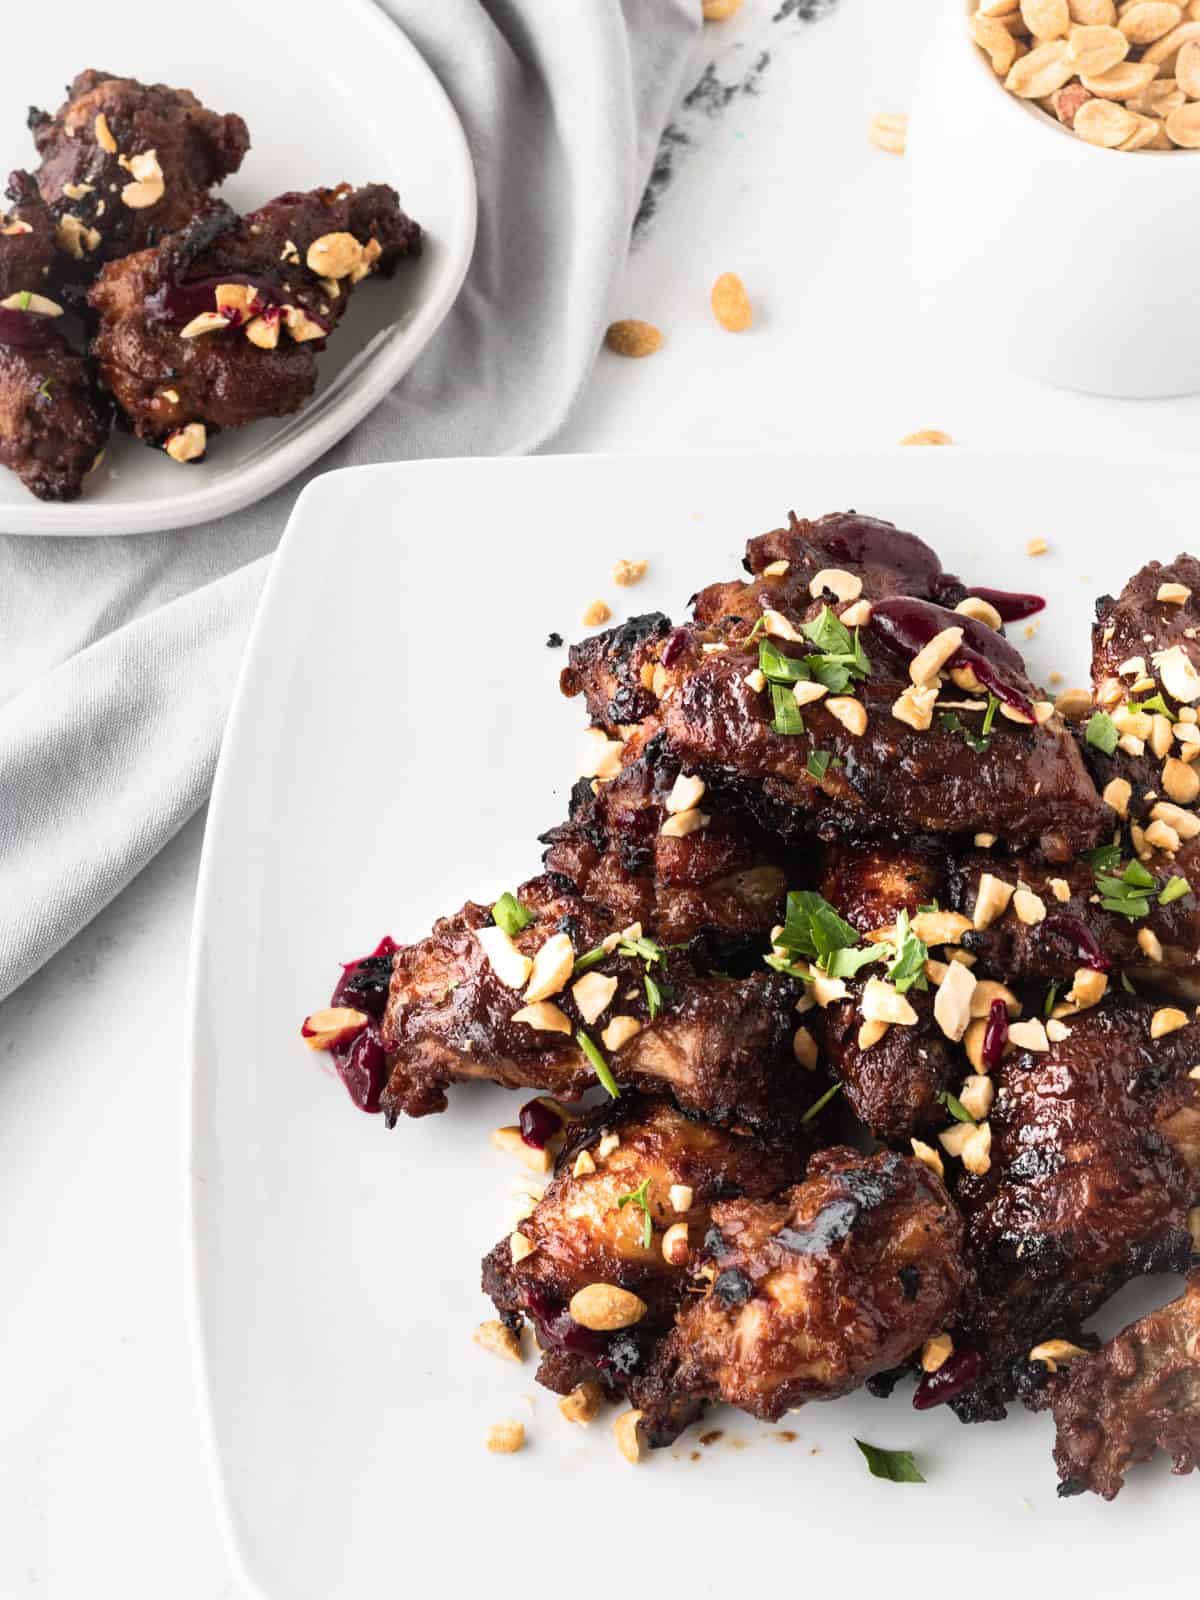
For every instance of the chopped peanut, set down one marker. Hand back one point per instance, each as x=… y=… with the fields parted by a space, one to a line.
x=505 y=1438
x=499 y=1340
x=583 y=1403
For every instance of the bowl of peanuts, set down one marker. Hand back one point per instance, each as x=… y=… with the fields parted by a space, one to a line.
x=1055 y=150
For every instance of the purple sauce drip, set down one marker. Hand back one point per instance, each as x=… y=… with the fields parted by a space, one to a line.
x=24 y=330
x=1076 y=932
x=865 y=541
x=361 y=1062
x=957 y=1372
x=538 y=1124
x=908 y=625
x=558 y=1330
x=673 y=647
x=177 y=303
x=1013 y=607
x=995 y=1035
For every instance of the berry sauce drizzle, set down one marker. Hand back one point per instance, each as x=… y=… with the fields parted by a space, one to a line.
x=957 y=1372
x=907 y=626
x=362 y=1061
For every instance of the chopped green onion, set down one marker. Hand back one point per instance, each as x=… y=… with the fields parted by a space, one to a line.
x=508 y=913
x=955 y=1107
x=820 y=761
x=654 y=997
x=599 y=1066
x=23 y=299
x=1155 y=703
x=1126 y=984
x=819 y=1105
x=908 y=955
x=989 y=716
x=1049 y=1001
x=1173 y=889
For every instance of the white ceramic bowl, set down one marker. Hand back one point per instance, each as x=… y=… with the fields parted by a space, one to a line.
x=1072 y=264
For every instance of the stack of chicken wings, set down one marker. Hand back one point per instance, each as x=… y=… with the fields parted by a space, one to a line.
x=885 y=966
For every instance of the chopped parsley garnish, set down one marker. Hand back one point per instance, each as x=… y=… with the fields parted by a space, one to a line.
x=787 y=718
x=989 y=716
x=637 y=1197
x=654 y=997
x=845 y=963
x=819 y=1105
x=839 y=654
x=1105 y=858
x=813 y=928
x=23 y=299
x=820 y=761
x=778 y=668
x=955 y=1106
x=953 y=723
x=599 y=1065
x=639 y=949
x=1173 y=889
x=1125 y=893
x=1102 y=732
x=508 y=913
x=897 y=1466
x=908 y=955
x=45 y=389
x=1155 y=703
x=1051 y=997
x=1126 y=984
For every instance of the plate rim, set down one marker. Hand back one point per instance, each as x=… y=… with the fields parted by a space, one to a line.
x=326 y=484
x=245 y=486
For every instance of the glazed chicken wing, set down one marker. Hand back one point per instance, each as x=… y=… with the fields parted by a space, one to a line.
x=53 y=422
x=1084 y=1191
x=811 y=1294
x=1138 y=1393
x=581 y=1233
x=124 y=163
x=220 y=324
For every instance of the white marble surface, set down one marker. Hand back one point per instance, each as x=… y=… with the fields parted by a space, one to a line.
x=103 y=1486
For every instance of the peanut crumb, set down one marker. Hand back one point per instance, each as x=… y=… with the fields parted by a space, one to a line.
x=927 y=436
x=626 y=573
x=596 y=614
x=1036 y=547
x=505 y=1438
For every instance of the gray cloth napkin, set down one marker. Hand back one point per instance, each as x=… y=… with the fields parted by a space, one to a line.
x=118 y=656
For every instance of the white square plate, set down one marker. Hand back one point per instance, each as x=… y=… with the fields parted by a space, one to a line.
x=397 y=743
x=330 y=93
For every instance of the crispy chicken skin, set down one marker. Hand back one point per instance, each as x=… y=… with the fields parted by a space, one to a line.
x=106 y=202
x=53 y=422
x=871 y=883
x=1076 y=931
x=721 y=1048
x=581 y=1235
x=892 y=1087
x=26 y=239
x=1085 y=1190
x=811 y=1294
x=168 y=368
x=726 y=878
x=1137 y=1393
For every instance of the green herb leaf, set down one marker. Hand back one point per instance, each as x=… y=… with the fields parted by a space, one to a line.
x=906 y=968
x=598 y=1064
x=1105 y=858
x=23 y=299
x=820 y=761
x=1173 y=889
x=1049 y=1002
x=787 y=717
x=955 y=1106
x=845 y=963
x=989 y=716
x=1155 y=703
x=1126 y=984
x=819 y=1105
x=508 y=913
x=839 y=654
x=642 y=949
x=953 y=723
x=757 y=631
x=786 y=965
x=654 y=997
x=813 y=928
x=638 y=1197
x=1102 y=732
x=45 y=389
x=592 y=958
x=829 y=633
x=1125 y=895
x=897 y=1466
x=777 y=667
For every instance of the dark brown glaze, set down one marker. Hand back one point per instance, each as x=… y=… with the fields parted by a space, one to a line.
x=581 y=1236
x=221 y=379
x=86 y=185
x=53 y=422
x=727 y=877
x=839 y=1279
x=721 y=1048
x=1084 y=1191
x=870 y=884
x=1029 y=786
x=893 y=1085
x=1051 y=950
x=1138 y=1393
x=607 y=669
x=1137 y=623
x=884 y=558
x=26 y=239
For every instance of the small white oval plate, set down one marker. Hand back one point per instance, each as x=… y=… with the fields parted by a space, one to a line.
x=331 y=94
x=395 y=745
